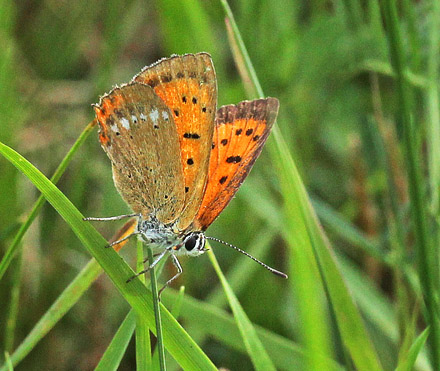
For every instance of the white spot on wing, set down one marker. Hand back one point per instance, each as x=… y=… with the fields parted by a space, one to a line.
x=114 y=128
x=165 y=115
x=154 y=116
x=143 y=117
x=134 y=119
x=125 y=123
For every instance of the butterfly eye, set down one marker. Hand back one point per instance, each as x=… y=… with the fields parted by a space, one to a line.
x=191 y=242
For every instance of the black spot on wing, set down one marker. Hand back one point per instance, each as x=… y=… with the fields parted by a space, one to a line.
x=191 y=136
x=233 y=159
x=223 y=179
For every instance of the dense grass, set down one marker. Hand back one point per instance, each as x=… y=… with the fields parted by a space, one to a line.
x=358 y=129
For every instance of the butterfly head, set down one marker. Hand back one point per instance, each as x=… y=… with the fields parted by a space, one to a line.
x=163 y=236
x=193 y=244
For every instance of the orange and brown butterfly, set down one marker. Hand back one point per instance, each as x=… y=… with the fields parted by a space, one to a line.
x=176 y=160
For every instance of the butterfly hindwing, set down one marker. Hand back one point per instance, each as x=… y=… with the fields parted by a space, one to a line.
x=239 y=135
x=187 y=85
x=139 y=136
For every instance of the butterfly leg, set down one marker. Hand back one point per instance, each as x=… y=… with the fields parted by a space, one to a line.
x=110 y=218
x=157 y=260
x=179 y=272
x=123 y=239
x=147 y=258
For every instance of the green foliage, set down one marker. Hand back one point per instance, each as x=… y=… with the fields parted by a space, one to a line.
x=356 y=148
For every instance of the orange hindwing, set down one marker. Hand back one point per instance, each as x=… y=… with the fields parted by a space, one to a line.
x=239 y=135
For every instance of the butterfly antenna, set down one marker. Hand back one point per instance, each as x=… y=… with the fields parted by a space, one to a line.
x=274 y=271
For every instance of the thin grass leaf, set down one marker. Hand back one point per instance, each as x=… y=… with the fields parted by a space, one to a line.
x=157 y=314
x=255 y=349
x=58 y=309
x=239 y=274
x=177 y=306
x=427 y=254
x=188 y=15
x=12 y=249
x=177 y=341
x=336 y=223
x=384 y=68
x=9 y=362
x=433 y=104
x=13 y=304
x=285 y=353
x=116 y=350
x=175 y=311
x=307 y=286
x=350 y=323
x=299 y=213
x=407 y=364
x=143 y=342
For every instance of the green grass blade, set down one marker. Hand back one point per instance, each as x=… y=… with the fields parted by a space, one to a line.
x=239 y=274
x=350 y=323
x=408 y=363
x=13 y=304
x=337 y=224
x=433 y=104
x=175 y=311
x=177 y=341
x=58 y=309
x=143 y=342
x=12 y=249
x=285 y=353
x=9 y=364
x=116 y=350
x=157 y=314
x=255 y=349
x=385 y=69
x=302 y=220
x=306 y=284
x=426 y=253
x=177 y=306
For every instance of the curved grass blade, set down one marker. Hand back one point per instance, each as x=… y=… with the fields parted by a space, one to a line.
x=115 y=351
x=286 y=354
x=302 y=218
x=58 y=309
x=426 y=251
x=157 y=314
x=12 y=250
x=409 y=362
x=255 y=349
x=143 y=342
x=186 y=352
x=175 y=311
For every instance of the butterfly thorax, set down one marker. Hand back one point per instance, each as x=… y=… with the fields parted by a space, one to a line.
x=161 y=236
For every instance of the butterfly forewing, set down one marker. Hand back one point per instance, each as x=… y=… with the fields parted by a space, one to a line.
x=187 y=85
x=139 y=136
x=239 y=135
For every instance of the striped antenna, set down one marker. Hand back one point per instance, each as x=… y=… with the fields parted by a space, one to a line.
x=270 y=269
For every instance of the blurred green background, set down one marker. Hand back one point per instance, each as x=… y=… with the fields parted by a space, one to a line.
x=327 y=63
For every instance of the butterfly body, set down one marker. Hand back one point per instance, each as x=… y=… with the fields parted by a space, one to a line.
x=176 y=160
x=165 y=237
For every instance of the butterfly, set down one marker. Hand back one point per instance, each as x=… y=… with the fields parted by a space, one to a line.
x=177 y=161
